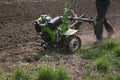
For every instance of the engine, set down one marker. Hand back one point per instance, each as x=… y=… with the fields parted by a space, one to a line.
x=41 y=22
x=48 y=27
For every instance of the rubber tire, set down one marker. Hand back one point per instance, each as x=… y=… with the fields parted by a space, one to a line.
x=70 y=43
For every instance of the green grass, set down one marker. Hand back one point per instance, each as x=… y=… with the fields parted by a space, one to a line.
x=107 y=45
x=117 y=51
x=62 y=74
x=104 y=59
x=117 y=77
x=50 y=73
x=96 y=51
x=46 y=73
x=112 y=77
x=99 y=50
x=21 y=75
x=1 y=74
x=88 y=78
x=88 y=53
x=103 y=64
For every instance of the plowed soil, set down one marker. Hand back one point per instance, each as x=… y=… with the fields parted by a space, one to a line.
x=18 y=36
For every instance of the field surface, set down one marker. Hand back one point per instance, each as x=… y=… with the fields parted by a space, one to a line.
x=18 y=36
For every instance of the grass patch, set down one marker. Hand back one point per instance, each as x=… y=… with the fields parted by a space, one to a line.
x=89 y=53
x=117 y=77
x=107 y=45
x=88 y=78
x=99 y=50
x=112 y=77
x=46 y=73
x=116 y=63
x=1 y=74
x=62 y=74
x=103 y=64
x=21 y=75
x=117 y=51
x=104 y=59
x=50 y=73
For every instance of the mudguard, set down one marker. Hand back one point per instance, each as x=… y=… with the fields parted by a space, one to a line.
x=70 y=31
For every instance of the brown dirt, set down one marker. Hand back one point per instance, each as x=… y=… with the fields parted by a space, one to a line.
x=18 y=37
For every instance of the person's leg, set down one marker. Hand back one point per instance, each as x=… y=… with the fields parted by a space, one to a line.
x=98 y=24
x=102 y=7
x=98 y=30
x=108 y=27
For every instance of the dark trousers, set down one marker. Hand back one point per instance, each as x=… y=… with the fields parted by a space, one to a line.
x=102 y=7
x=98 y=28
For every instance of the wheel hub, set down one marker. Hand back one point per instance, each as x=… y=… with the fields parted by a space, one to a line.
x=74 y=44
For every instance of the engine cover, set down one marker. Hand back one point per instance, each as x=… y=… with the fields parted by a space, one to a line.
x=55 y=22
